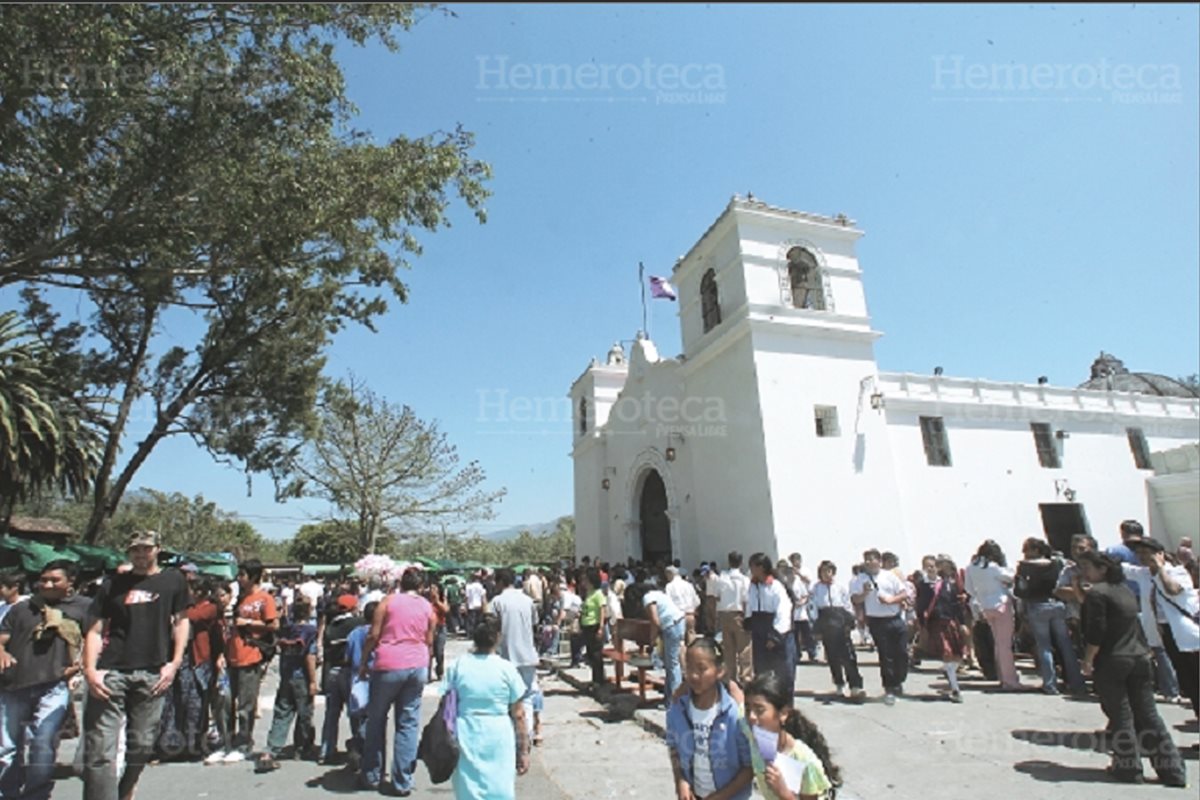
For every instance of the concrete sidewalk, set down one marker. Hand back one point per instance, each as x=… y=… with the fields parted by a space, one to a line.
x=994 y=746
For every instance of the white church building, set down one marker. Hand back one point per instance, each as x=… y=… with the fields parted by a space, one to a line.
x=776 y=431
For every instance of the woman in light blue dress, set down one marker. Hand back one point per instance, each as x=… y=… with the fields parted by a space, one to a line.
x=491 y=720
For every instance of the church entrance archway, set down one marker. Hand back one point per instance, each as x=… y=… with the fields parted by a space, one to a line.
x=655 y=524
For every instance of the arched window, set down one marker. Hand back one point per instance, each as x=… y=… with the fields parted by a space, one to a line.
x=583 y=422
x=804 y=275
x=710 y=304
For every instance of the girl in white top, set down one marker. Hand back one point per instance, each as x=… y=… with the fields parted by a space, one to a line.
x=988 y=579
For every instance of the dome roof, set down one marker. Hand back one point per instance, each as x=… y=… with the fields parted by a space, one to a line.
x=1109 y=374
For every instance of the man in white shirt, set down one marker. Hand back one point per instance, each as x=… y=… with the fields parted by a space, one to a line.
x=884 y=596
x=312 y=590
x=516 y=613
x=572 y=605
x=732 y=588
x=835 y=618
x=1175 y=603
x=802 y=623
x=684 y=596
x=476 y=595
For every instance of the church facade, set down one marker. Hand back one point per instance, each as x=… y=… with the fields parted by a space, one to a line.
x=776 y=431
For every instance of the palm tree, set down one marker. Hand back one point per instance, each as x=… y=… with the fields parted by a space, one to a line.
x=44 y=441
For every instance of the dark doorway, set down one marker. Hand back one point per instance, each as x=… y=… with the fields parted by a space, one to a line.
x=656 y=527
x=1061 y=521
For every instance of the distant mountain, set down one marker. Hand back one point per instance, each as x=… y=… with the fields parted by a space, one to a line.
x=537 y=529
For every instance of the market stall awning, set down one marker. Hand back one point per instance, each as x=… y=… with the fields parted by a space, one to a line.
x=31 y=555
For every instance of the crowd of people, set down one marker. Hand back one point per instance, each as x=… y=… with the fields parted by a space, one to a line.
x=173 y=661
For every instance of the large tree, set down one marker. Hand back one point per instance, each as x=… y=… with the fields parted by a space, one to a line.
x=384 y=467
x=193 y=171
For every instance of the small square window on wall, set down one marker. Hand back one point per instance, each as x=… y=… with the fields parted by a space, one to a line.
x=1141 y=451
x=827 y=421
x=937 y=447
x=1043 y=440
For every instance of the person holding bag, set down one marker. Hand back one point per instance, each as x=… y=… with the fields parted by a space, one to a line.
x=835 y=620
x=493 y=744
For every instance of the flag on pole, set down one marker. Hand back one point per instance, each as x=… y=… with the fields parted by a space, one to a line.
x=660 y=288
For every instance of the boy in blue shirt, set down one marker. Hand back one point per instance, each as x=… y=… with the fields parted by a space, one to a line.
x=297 y=643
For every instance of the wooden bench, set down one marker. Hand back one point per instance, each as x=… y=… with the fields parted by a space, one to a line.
x=638 y=631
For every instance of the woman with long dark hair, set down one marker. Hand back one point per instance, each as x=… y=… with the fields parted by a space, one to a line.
x=987 y=581
x=769 y=615
x=1037 y=578
x=1117 y=655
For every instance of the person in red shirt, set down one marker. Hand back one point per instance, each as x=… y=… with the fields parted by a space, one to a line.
x=255 y=621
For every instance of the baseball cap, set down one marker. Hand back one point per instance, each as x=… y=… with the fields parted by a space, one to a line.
x=146 y=537
x=189 y=567
x=347 y=602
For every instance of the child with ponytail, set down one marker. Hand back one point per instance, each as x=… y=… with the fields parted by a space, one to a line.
x=782 y=732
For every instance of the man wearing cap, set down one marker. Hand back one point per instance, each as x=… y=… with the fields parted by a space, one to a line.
x=1175 y=605
x=142 y=611
x=335 y=682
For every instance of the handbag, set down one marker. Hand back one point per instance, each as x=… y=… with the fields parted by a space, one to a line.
x=439 y=740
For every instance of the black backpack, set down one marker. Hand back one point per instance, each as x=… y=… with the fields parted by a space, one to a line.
x=439 y=741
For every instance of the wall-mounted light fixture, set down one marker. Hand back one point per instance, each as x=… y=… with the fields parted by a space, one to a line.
x=1062 y=435
x=605 y=484
x=877 y=400
x=670 y=454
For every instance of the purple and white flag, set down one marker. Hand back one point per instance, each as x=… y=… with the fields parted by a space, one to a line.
x=660 y=288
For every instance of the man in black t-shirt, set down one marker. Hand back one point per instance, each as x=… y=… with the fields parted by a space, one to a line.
x=39 y=652
x=140 y=612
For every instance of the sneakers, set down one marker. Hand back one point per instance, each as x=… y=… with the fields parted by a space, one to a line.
x=889 y=699
x=955 y=697
x=215 y=757
x=839 y=691
x=858 y=694
x=234 y=757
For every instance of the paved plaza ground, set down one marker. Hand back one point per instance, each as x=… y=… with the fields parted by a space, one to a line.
x=992 y=746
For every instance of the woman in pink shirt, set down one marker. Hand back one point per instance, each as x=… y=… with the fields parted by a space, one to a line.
x=402 y=631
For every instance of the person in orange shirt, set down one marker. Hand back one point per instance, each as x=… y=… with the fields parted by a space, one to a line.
x=251 y=647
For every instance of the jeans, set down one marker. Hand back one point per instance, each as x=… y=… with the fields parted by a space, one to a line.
x=1164 y=673
x=891 y=639
x=1126 y=689
x=244 y=683
x=529 y=675
x=31 y=717
x=437 y=653
x=1049 y=623
x=184 y=721
x=292 y=702
x=131 y=704
x=672 y=636
x=399 y=691
x=337 y=692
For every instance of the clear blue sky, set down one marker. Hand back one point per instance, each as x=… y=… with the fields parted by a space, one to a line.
x=1012 y=231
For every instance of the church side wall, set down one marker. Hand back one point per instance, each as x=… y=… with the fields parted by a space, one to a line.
x=591 y=523
x=995 y=484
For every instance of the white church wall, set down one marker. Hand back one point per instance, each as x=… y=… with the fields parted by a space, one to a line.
x=730 y=503
x=995 y=483
x=591 y=523
x=832 y=496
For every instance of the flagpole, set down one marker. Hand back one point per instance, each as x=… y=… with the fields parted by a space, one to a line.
x=642 y=281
